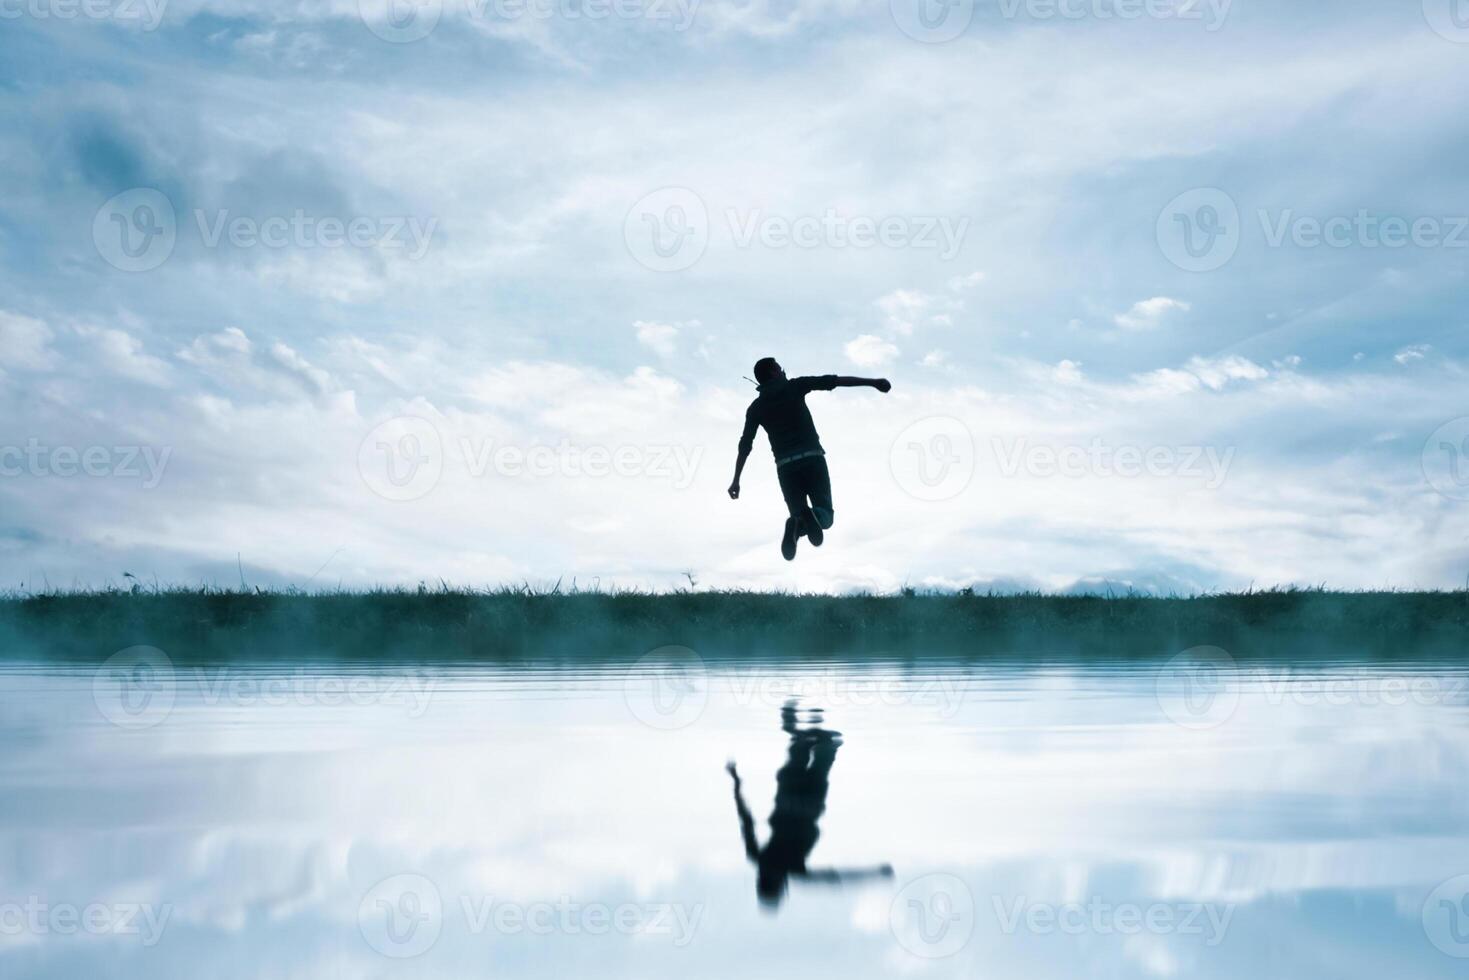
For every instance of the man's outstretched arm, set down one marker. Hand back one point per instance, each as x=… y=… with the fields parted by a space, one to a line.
x=747 y=442
x=836 y=876
x=747 y=820
x=829 y=381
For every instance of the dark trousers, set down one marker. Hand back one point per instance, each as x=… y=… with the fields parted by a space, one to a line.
x=807 y=478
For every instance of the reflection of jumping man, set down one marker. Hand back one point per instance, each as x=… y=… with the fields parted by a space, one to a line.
x=800 y=462
x=800 y=799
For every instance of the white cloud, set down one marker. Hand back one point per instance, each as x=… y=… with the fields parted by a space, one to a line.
x=1149 y=313
x=25 y=343
x=935 y=358
x=233 y=360
x=1411 y=353
x=903 y=308
x=662 y=338
x=1199 y=373
x=870 y=351
x=960 y=283
x=122 y=354
x=1068 y=372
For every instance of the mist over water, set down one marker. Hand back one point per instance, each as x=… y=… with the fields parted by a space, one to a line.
x=1053 y=819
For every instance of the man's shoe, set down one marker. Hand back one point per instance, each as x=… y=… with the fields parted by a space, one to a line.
x=788 y=542
x=812 y=529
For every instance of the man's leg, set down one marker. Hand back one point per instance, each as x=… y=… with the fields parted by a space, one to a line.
x=818 y=486
x=795 y=497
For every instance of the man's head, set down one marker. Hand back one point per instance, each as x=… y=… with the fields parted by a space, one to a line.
x=770 y=883
x=766 y=369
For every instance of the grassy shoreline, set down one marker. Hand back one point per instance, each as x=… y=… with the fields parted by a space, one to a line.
x=523 y=625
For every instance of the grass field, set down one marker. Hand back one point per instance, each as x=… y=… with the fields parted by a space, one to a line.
x=520 y=625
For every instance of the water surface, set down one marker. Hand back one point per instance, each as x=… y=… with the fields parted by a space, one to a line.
x=1038 y=820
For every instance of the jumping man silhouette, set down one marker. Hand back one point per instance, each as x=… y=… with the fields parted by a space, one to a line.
x=800 y=799
x=800 y=462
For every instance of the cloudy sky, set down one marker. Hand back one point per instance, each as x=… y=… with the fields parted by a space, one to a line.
x=1172 y=294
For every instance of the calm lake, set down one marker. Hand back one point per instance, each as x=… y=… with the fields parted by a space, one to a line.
x=1199 y=818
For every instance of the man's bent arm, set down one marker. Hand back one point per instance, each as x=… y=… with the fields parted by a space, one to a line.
x=747 y=442
x=747 y=820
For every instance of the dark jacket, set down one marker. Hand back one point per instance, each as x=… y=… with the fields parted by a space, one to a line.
x=781 y=411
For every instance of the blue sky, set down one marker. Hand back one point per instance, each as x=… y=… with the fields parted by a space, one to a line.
x=396 y=310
